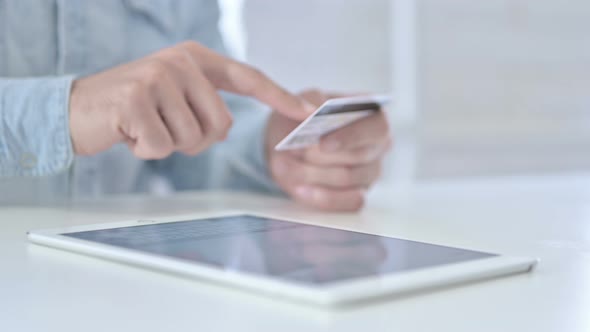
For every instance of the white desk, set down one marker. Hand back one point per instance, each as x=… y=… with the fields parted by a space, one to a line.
x=44 y=289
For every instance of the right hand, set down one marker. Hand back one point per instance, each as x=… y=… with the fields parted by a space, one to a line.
x=168 y=102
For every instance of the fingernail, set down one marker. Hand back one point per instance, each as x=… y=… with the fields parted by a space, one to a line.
x=309 y=108
x=304 y=192
x=331 y=146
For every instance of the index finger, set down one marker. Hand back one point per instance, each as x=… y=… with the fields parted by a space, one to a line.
x=233 y=76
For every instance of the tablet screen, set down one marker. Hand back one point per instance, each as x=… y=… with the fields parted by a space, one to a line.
x=300 y=253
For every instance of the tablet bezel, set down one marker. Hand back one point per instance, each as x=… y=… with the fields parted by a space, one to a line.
x=335 y=293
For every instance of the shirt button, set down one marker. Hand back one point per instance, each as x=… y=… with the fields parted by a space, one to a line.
x=28 y=160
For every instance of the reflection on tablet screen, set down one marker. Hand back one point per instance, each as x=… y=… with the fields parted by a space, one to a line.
x=280 y=249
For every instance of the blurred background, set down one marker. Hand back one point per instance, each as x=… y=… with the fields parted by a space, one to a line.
x=482 y=88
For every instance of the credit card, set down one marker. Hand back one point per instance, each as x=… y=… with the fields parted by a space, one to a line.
x=332 y=115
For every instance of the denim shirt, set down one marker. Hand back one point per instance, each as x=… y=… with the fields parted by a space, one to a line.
x=46 y=44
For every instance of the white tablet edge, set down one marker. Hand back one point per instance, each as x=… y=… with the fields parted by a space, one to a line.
x=337 y=293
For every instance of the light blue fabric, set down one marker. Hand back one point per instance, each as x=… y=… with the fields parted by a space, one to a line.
x=45 y=45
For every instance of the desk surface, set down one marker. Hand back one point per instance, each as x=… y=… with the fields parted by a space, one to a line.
x=45 y=289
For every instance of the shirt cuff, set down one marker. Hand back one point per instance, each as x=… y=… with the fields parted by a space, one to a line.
x=34 y=121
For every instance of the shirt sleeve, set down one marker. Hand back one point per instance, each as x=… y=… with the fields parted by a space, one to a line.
x=238 y=163
x=34 y=126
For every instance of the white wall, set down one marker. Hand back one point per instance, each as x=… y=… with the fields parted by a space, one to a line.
x=335 y=44
x=502 y=86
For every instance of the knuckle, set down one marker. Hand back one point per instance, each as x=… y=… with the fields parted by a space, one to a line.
x=225 y=125
x=154 y=73
x=153 y=152
x=192 y=142
x=219 y=128
x=163 y=148
x=178 y=54
x=189 y=134
x=162 y=151
x=189 y=45
x=193 y=150
x=133 y=93
x=161 y=154
x=184 y=143
x=177 y=57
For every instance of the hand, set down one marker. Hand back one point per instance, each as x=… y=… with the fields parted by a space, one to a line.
x=168 y=102
x=335 y=174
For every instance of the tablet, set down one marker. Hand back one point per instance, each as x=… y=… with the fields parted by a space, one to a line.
x=283 y=258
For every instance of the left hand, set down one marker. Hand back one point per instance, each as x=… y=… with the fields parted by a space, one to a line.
x=335 y=174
